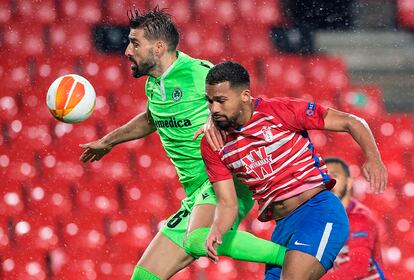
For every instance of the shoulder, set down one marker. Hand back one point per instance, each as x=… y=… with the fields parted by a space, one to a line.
x=204 y=146
x=195 y=63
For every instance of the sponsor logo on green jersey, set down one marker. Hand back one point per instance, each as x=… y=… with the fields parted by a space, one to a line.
x=172 y=122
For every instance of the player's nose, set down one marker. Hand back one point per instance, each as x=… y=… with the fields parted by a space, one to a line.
x=128 y=50
x=214 y=108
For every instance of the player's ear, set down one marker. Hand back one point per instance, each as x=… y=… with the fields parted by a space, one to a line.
x=349 y=183
x=245 y=95
x=160 y=48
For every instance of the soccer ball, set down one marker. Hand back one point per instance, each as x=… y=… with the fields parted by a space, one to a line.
x=71 y=98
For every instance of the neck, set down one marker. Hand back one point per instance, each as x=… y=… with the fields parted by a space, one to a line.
x=165 y=62
x=246 y=112
x=346 y=200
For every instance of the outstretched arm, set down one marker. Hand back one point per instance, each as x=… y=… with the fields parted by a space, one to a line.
x=374 y=169
x=140 y=126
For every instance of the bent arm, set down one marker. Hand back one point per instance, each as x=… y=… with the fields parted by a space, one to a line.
x=374 y=169
x=138 y=127
x=358 y=128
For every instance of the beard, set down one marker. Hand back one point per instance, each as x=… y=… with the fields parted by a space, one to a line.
x=142 y=69
x=343 y=192
x=225 y=122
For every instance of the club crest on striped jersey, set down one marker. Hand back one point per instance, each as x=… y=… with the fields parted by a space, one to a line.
x=258 y=163
x=267 y=133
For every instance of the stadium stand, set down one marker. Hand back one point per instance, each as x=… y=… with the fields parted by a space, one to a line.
x=60 y=219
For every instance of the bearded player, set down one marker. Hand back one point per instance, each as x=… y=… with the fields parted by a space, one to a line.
x=267 y=147
x=360 y=258
x=175 y=89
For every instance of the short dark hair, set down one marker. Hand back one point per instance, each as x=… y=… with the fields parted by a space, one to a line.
x=343 y=164
x=157 y=25
x=228 y=71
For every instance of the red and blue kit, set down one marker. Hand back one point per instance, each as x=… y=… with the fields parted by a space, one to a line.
x=360 y=258
x=272 y=152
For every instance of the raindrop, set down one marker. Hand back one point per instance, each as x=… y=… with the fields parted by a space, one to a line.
x=145 y=161
x=4 y=161
x=22 y=227
x=16 y=126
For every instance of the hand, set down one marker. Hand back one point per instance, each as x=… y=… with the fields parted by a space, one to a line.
x=213 y=240
x=376 y=174
x=94 y=150
x=214 y=136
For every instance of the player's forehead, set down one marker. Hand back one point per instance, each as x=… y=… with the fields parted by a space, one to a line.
x=220 y=89
x=136 y=34
x=335 y=168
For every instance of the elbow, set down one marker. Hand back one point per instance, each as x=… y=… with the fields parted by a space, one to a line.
x=354 y=122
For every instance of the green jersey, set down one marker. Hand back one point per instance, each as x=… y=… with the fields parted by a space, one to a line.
x=178 y=107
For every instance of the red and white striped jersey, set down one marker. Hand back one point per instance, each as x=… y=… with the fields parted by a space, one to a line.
x=272 y=152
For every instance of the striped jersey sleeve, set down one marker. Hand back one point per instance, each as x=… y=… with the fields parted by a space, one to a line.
x=216 y=169
x=298 y=114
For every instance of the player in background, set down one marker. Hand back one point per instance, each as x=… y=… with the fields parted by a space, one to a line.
x=360 y=258
x=268 y=148
x=176 y=108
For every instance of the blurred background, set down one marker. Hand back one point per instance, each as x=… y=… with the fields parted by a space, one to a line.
x=60 y=219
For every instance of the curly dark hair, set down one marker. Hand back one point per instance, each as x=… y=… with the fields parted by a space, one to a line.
x=229 y=71
x=157 y=25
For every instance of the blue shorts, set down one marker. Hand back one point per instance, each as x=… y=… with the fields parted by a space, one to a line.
x=319 y=228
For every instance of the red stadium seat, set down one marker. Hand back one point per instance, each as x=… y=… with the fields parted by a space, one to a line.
x=216 y=12
x=76 y=264
x=49 y=197
x=28 y=265
x=326 y=72
x=12 y=197
x=48 y=68
x=16 y=74
x=225 y=269
x=250 y=40
x=349 y=150
x=105 y=72
x=70 y=39
x=118 y=263
x=405 y=13
x=24 y=40
x=180 y=10
x=203 y=41
x=5 y=12
x=284 y=74
x=39 y=231
x=44 y=11
x=82 y=11
x=96 y=195
x=84 y=231
x=260 y=12
x=116 y=11
x=363 y=101
x=5 y=233
x=132 y=230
